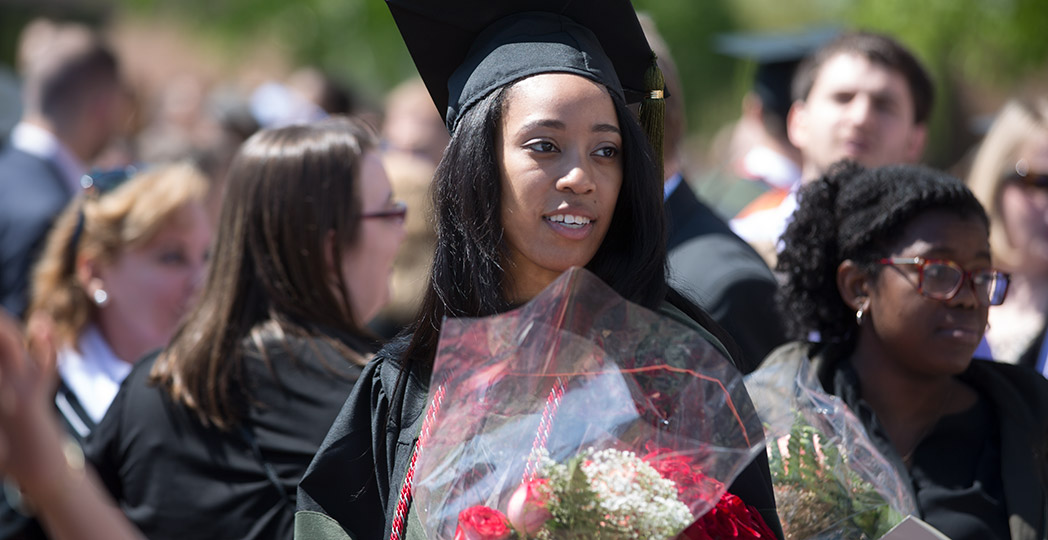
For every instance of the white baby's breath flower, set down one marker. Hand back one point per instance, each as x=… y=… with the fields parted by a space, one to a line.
x=632 y=499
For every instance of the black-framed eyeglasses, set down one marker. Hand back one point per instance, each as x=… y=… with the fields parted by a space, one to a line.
x=95 y=184
x=942 y=279
x=1023 y=176
x=397 y=211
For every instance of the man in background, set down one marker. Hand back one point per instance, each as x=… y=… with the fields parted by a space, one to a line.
x=73 y=106
x=863 y=97
x=757 y=163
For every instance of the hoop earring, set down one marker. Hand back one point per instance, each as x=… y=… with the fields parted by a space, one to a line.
x=101 y=297
x=858 y=317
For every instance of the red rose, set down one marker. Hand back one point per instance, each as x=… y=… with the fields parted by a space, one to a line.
x=731 y=518
x=482 y=523
x=692 y=485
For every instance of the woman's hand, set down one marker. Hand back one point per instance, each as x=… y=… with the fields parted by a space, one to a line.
x=32 y=445
x=47 y=464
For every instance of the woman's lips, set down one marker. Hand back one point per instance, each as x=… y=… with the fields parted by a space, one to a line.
x=571 y=225
x=966 y=334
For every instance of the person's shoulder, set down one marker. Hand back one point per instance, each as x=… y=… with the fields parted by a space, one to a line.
x=140 y=407
x=138 y=398
x=30 y=184
x=326 y=352
x=1019 y=375
x=788 y=353
x=393 y=351
x=724 y=254
x=14 y=160
x=138 y=377
x=1012 y=382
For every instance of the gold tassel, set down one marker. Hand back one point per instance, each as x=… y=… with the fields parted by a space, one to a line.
x=653 y=111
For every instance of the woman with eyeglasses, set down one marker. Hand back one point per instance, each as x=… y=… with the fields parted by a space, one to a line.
x=208 y=439
x=889 y=279
x=1010 y=177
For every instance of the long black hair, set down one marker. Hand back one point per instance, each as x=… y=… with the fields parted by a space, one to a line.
x=467 y=277
x=855 y=214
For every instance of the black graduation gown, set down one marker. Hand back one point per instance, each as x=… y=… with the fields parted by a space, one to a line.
x=176 y=477
x=723 y=275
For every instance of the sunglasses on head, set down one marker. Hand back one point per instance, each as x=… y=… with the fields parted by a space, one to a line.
x=100 y=182
x=1023 y=176
x=95 y=184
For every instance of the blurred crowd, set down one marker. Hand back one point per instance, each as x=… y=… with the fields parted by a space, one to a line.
x=217 y=251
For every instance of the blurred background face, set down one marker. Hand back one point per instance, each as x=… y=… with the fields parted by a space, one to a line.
x=560 y=154
x=367 y=265
x=1024 y=205
x=150 y=286
x=856 y=110
x=921 y=335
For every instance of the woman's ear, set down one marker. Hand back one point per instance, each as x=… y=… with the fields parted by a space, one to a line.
x=90 y=276
x=853 y=284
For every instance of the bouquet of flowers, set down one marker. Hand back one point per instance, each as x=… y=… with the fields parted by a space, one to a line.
x=581 y=415
x=830 y=481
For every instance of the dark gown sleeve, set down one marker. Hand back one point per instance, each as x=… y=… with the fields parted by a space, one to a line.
x=345 y=487
x=351 y=486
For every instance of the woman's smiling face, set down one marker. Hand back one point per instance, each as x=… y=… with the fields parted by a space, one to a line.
x=560 y=159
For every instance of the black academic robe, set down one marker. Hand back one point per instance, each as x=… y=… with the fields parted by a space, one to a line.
x=176 y=477
x=351 y=489
x=721 y=273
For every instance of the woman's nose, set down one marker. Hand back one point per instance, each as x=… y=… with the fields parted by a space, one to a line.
x=578 y=179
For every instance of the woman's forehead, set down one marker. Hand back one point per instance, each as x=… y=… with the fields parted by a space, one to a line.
x=944 y=232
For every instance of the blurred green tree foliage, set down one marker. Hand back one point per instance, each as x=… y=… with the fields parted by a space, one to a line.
x=982 y=47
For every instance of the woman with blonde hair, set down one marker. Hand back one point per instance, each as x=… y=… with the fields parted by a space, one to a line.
x=118 y=272
x=209 y=438
x=1009 y=176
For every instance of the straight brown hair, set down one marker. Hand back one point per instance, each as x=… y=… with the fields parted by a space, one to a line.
x=287 y=189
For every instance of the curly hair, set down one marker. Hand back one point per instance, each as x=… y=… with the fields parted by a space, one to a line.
x=856 y=214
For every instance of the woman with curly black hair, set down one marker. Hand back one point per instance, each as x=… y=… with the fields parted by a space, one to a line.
x=889 y=281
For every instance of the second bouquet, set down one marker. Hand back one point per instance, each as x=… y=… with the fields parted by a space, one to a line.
x=582 y=415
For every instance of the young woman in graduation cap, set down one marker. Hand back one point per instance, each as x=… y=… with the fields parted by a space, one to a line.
x=546 y=169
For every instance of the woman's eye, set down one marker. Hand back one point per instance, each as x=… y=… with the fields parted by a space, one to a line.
x=172 y=257
x=607 y=151
x=542 y=146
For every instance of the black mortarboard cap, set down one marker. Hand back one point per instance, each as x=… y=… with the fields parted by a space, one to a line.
x=464 y=49
x=777 y=57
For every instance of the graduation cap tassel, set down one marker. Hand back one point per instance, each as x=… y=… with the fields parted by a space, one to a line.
x=653 y=110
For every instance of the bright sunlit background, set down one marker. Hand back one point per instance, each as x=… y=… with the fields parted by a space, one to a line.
x=980 y=51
